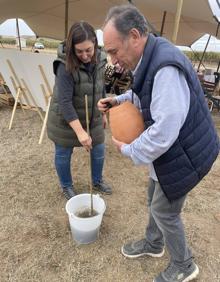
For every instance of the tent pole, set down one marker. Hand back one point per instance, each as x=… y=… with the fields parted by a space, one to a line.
x=18 y=33
x=163 y=23
x=218 y=66
x=197 y=56
x=203 y=54
x=177 y=20
x=217 y=30
x=66 y=17
x=207 y=43
x=216 y=34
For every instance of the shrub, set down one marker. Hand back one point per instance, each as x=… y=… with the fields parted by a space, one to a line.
x=209 y=57
x=10 y=41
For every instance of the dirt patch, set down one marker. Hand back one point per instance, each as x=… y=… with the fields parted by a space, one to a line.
x=35 y=240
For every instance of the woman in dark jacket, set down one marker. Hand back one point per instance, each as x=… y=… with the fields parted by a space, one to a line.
x=79 y=71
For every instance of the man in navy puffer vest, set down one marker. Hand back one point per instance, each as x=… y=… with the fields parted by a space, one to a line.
x=180 y=142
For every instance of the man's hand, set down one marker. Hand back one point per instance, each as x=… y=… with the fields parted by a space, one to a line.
x=118 y=68
x=103 y=104
x=118 y=144
x=104 y=121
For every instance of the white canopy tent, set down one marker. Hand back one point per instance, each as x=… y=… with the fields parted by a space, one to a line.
x=47 y=17
x=196 y=18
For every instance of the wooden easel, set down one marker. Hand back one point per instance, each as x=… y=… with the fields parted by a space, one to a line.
x=2 y=82
x=23 y=95
x=5 y=98
x=47 y=95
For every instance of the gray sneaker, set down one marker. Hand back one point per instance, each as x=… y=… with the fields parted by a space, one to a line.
x=141 y=248
x=174 y=273
x=68 y=192
x=103 y=187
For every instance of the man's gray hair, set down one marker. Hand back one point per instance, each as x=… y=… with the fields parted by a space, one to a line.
x=126 y=17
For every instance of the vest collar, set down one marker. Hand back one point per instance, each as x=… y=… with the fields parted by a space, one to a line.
x=146 y=58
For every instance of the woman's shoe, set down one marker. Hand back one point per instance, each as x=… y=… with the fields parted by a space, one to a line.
x=102 y=187
x=68 y=192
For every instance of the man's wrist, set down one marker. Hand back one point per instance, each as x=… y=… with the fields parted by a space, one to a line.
x=115 y=101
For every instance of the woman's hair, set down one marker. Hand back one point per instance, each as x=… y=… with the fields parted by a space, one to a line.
x=79 y=32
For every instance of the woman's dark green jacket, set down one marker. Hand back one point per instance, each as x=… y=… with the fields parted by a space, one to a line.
x=85 y=83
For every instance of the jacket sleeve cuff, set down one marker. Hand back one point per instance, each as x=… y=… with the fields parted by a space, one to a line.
x=126 y=151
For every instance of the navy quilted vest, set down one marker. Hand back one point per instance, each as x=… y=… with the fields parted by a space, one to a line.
x=191 y=156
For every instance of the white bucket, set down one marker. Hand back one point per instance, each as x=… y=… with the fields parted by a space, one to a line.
x=85 y=230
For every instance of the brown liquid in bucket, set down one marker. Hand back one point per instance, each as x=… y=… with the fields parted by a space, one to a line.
x=86 y=213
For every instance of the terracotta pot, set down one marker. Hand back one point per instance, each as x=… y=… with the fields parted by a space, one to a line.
x=126 y=122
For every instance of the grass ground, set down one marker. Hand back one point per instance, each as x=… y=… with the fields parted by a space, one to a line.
x=35 y=240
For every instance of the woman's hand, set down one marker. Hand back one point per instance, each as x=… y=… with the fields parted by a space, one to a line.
x=85 y=139
x=82 y=135
x=106 y=103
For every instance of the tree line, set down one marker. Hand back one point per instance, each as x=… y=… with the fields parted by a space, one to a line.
x=194 y=56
